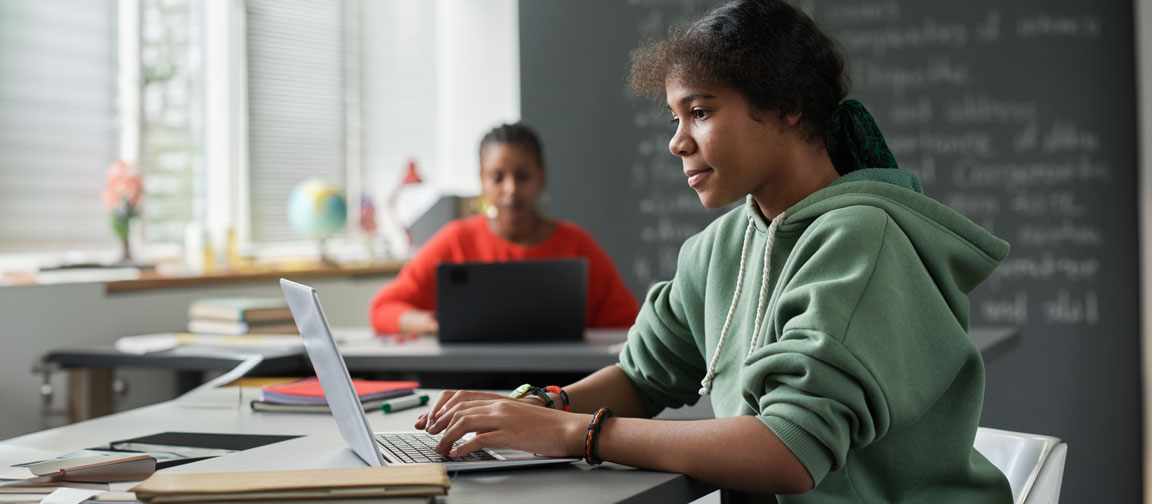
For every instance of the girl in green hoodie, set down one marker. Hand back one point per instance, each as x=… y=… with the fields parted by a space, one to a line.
x=827 y=317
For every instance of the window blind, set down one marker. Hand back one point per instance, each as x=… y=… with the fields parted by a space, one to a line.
x=57 y=123
x=295 y=104
x=398 y=92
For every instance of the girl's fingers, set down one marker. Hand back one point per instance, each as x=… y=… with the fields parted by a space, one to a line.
x=448 y=417
x=441 y=400
x=465 y=424
x=478 y=442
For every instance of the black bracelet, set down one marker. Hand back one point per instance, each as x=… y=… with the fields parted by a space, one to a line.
x=592 y=439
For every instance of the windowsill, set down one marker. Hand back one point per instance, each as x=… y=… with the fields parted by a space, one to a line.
x=151 y=279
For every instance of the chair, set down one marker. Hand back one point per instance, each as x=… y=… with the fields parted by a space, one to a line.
x=1034 y=464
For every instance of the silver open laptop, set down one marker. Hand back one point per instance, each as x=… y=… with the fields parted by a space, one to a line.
x=379 y=448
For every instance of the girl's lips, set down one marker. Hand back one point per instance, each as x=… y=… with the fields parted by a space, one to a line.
x=696 y=177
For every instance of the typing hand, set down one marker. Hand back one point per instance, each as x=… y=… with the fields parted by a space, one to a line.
x=511 y=423
x=447 y=400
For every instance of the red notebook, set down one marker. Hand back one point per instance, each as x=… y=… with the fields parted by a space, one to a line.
x=309 y=392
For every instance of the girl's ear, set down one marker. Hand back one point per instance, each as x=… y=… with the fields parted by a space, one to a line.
x=792 y=119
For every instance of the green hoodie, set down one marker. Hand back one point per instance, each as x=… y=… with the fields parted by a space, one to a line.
x=863 y=366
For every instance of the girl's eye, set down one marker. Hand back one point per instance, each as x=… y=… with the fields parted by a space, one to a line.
x=700 y=113
x=675 y=121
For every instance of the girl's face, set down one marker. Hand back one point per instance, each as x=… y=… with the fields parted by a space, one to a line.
x=727 y=154
x=511 y=178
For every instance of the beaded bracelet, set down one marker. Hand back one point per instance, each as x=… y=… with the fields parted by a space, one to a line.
x=592 y=439
x=521 y=391
x=555 y=389
x=528 y=388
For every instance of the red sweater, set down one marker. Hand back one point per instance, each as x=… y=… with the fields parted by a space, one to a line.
x=609 y=304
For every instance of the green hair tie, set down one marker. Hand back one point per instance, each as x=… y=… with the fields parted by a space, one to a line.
x=856 y=140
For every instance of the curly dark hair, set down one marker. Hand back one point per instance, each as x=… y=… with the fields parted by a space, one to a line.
x=769 y=51
x=518 y=134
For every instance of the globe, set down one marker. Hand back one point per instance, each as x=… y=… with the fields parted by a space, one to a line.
x=317 y=209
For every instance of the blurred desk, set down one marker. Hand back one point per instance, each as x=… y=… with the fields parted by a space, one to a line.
x=90 y=368
x=366 y=353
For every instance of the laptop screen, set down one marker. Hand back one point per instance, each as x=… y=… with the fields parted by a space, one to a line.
x=523 y=301
x=331 y=371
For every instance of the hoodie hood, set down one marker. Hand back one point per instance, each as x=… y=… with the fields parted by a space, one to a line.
x=958 y=253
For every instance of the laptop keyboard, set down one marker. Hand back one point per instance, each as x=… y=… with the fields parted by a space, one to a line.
x=417 y=448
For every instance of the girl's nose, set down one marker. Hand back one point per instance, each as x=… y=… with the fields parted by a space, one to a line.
x=681 y=143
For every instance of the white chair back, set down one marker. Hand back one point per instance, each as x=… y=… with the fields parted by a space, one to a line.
x=1034 y=464
x=1046 y=489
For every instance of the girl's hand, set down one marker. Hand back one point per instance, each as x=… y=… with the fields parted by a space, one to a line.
x=418 y=321
x=449 y=399
x=511 y=423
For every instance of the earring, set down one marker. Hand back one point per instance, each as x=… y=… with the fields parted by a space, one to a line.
x=491 y=211
x=545 y=200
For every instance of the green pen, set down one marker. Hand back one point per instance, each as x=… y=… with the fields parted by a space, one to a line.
x=403 y=403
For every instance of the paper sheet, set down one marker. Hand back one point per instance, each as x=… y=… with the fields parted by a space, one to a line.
x=11 y=454
x=70 y=496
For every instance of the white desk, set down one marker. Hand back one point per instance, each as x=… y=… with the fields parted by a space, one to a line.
x=226 y=410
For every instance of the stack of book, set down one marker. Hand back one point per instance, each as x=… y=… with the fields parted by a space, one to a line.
x=241 y=316
x=306 y=395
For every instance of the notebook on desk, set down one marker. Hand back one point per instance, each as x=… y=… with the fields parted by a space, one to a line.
x=522 y=301
x=379 y=448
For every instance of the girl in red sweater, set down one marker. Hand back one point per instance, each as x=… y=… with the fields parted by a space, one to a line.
x=512 y=229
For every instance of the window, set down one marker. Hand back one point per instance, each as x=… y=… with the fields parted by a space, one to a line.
x=172 y=116
x=58 y=130
x=226 y=106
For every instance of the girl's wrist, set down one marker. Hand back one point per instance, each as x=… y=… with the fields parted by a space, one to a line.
x=577 y=431
x=533 y=399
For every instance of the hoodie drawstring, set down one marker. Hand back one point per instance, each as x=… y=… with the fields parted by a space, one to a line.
x=706 y=383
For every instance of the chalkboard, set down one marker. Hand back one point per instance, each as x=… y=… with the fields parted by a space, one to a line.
x=1019 y=115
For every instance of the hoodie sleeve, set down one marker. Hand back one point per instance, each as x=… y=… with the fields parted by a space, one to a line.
x=661 y=358
x=865 y=345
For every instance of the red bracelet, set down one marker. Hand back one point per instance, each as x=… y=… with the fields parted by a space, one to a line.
x=555 y=389
x=592 y=439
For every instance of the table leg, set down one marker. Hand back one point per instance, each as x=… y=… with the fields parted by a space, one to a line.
x=89 y=393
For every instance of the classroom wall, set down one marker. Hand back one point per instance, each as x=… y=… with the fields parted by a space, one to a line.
x=36 y=319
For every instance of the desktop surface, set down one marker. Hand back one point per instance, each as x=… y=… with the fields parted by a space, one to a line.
x=225 y=410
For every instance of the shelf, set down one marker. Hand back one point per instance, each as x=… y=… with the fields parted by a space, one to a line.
x=153 y=280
